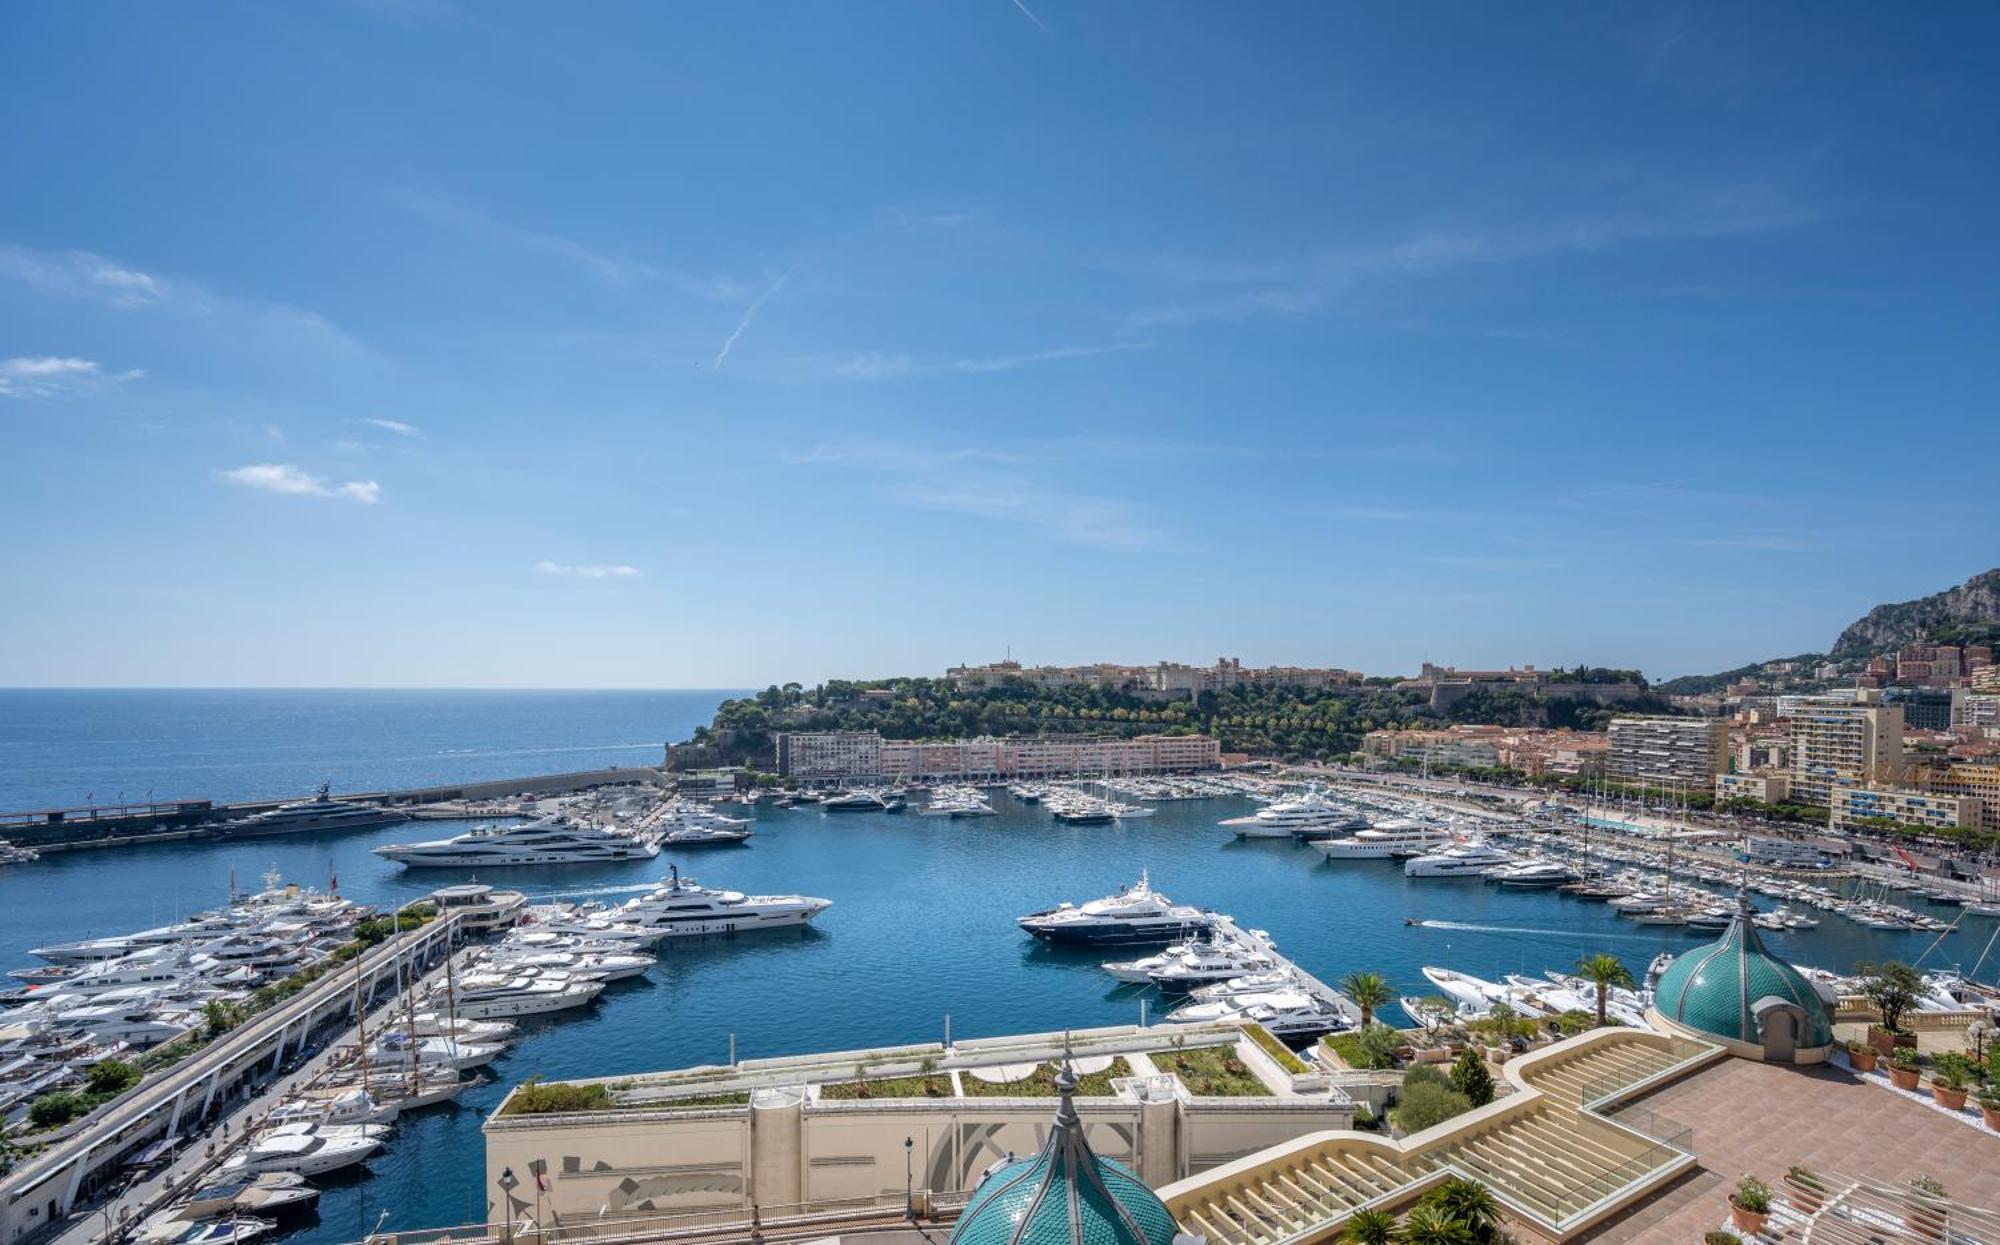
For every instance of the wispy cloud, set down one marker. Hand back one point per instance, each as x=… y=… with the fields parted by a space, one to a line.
x=607 y=266
x=293 y=481
x=1003 y=486
x=51 y=376
x=1229 y=289
x=749 y=314
x=94 y=278
x=880 y=365
x=1030 y=15
x=590 y=571
x=396 y=426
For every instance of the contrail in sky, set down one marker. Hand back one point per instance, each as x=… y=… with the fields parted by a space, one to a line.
x=749 y=314
x=1030 y=15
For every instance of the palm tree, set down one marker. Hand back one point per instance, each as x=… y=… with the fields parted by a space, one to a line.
x=1369 y=991
x=1603 y=971
x=1369 y=1227
x=1471 y=1204
x=1430 y=1225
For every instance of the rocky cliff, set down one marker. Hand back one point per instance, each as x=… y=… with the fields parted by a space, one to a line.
x=1974 y=605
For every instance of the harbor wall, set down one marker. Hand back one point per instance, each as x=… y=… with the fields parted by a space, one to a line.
x=60 y=830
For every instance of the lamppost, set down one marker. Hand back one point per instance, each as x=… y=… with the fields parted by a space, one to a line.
x=909 y=1182
x=507 y=1185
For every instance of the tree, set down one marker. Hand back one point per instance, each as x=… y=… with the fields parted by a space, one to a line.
x=1604 y=971
x=56 y=1109
x=110 y=1077
x=1470 y=1076
x=1369 y=1227
x=1369 y=992
x=1472 y=1205
x=1893 y=987
x=219 y=1017
x=1426 y=1104
x=1430 y=1225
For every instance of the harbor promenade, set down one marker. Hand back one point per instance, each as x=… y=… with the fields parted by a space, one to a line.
x=48 y=1189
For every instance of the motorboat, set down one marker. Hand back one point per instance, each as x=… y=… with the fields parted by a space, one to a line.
x=1396 y=836
x=864 y=800
x=395 y=1049
x=308 y=1149
x=490 y=996
x=1465 y=989
x=547 y=841
x=602 y=965
x=1206 y=963
x=266 y=1195
x=15 y=854
x=1308 y=815
x=1461 y=860
x=337 y=1106
x=705 y=836
x=1533 y=875
x=1292 y=1013
x=1142 y=969
x=231 y=1230
x=684 y=908
x=1137 y=915
x=321 y=812
x=1249 y=983
x=432 y=1024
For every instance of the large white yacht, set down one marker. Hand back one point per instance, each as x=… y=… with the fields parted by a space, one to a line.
x=1308 y=815
x=308 y=1149
x=1461 y=860
x=1286 y=1013
x=1207 y=963
x=322 y=812
x=493 y=996
x=1394 y=837
x=685 y=908
x=548 y=841
x=1138 y=914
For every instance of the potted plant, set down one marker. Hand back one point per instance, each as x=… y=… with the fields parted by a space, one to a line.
x=1750 y=1205
x=1989 y=1107
x=1808 y=1188
x=1862 y=1056
x=1922 y=1214
x=1950 y=1074
x=1903 y=1068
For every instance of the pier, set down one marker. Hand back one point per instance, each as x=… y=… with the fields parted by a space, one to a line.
x=189 y=1101
x=125 y=823
x=1227 y=930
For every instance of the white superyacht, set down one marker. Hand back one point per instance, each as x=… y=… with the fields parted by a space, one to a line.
x=549 y=841
x=1308 y=815
x=684 y=908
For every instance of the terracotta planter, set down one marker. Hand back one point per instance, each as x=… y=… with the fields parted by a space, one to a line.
x=1991 y=1116
x=1863 y=1060
x=1749 y=1223
x=1949 y=1099
x=1902 y=1078
x=1881 y=1039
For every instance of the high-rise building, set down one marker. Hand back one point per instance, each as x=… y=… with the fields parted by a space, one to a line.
x=1656 y=751
x=1844 y=746
x=1978 y=779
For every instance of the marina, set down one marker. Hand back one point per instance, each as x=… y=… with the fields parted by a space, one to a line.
x=869 y=890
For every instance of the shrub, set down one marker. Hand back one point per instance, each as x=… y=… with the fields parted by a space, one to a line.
x=1753 y=1195
x=1426 y=1104
x=1425 y=1074
x=53 y=1110
x=1370 y=1048
x=1369 y=1227
x=1575 y=1021
x=1471 y=1077
x=111 y=1078
x=1721 y=1238
x=533 y=1097
x=1277 y=1050
x=1929 y=1186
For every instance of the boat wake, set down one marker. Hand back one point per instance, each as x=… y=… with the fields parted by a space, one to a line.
x=1516 y=929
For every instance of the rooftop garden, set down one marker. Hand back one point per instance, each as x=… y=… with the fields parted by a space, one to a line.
x=536 y=1097
x=738 y=1098
x=1212 y=1072
x=934 y=1085
x=1277 y=1050
x=1041 y=1083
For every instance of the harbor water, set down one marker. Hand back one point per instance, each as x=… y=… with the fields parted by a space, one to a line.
x=922 y=925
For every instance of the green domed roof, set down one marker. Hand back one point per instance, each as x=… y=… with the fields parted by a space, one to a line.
x=1065 y=1195
x=1719 y=988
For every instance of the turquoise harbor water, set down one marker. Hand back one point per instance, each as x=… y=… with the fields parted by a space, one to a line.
x=922 y=925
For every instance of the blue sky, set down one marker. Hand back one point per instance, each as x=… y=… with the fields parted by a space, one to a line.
x=400 y=343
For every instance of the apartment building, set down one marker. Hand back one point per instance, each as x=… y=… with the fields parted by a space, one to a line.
x=1979 y=709
x=1657 y=751
x=1906 y=807
x=838 y=756
x=1979 y=780
x=1769 y=788
x=817 y=755
x=1472 y=747
x=1836 y=746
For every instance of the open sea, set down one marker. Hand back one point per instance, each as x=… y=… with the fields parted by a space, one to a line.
x=922 y=923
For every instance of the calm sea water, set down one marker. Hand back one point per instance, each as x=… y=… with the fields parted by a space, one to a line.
x=922 y=925
x=67 y=747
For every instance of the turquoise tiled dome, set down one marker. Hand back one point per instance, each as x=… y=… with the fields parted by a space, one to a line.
x=1065 y=1195
x=1718 y=988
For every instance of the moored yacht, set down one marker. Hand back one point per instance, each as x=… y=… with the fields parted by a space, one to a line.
x=685 y=908
x=322 y=812
x=1461 y=860
x=1393 y=837
x=496 y=996
x=1308 y=815
x=549 y=841
x=308 y=1149
x=1137 y=915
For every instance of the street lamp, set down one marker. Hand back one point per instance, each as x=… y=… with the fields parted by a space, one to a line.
x=909 y=1179
x=507 y=1185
